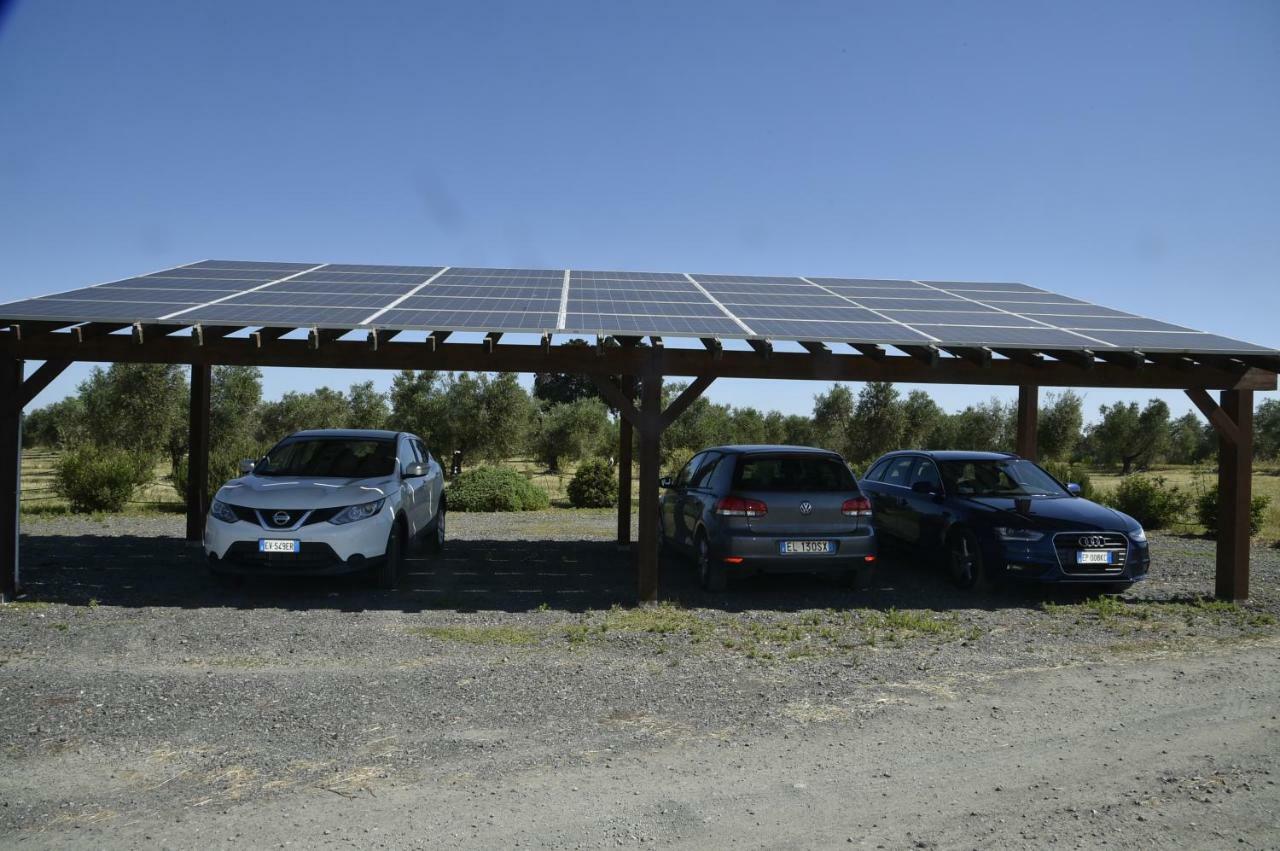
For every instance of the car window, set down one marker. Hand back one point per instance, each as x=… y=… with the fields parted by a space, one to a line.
x=793 y=473
x=1011 y=477
x=686 y=474
x=702 y=475
x=347 y=458
x=925 y=470
x=407 y=456
x=899 y=471
x=877 y=471
x=420 y=451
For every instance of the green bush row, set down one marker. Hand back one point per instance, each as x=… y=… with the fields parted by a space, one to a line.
x=495 y=489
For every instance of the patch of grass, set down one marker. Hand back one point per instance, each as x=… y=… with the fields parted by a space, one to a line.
x=19 y=607
x=494 y=636
x=895 y=621
x=1171 y=614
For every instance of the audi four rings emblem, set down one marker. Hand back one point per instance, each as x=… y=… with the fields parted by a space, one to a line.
x=1092 y=541
x=280 y=518
x=806 y=508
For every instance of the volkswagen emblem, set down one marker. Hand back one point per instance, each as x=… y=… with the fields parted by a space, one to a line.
x=280 y=518
x=1086 y=541
x=806 y=508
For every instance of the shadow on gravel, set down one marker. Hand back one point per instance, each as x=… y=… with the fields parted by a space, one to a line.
x=515 y=576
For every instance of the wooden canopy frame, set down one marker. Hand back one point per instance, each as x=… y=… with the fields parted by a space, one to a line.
x=616 y=369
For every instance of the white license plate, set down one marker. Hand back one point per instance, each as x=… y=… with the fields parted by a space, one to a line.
x=269 y=545
x=1093 y=557
x=792 y=547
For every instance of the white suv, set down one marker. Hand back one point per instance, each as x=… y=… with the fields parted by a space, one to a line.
x=328 y=502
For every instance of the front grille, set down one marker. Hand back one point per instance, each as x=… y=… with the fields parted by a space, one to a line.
x=1069 y=543
x=267 y=521
x=310 y=556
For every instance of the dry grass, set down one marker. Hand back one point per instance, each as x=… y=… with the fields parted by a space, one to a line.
x=40 y=497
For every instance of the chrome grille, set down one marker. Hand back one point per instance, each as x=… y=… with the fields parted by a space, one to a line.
x=1068 y=544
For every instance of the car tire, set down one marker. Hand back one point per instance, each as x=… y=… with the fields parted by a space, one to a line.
x=711 y=573
x=387 y=573
x=435 y=542
x=964 y=560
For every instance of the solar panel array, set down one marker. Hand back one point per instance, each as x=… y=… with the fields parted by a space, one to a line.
x=438 y=298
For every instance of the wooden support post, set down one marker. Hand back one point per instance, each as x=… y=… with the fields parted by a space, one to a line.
x=10 y=473
x=1235 y=493
x=1028 y=420
x=650 y=432
x=198 y=451
x=625 y=438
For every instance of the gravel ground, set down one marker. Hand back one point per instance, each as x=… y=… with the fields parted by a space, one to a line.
x=509 y=691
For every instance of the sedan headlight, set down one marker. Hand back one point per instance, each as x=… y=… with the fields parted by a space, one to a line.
x=223 y=512
x=1010 y=533
x=1138 y=535
x=352 y=513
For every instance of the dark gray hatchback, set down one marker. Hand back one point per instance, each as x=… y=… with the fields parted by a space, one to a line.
x=749 y=509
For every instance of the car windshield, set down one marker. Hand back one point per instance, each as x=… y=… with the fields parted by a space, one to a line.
x=793 y=473
x=998 y=477
x=343 y=458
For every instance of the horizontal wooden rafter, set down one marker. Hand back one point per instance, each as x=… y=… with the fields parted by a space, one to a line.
x=621 y=360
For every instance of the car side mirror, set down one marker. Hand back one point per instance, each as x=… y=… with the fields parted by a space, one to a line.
x=665 y=482
x=1073 y=488
x=415 y=471
x=246 y=466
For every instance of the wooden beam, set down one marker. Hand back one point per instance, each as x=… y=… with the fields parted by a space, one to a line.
x=1222 y=423
x=491 y=340
x=545 y=343
x=981 y=355
x=1235 y=482
x=11 y=371
x=686 y=398
x=871 y=350
x=95 y=330
x=715 y=346
x=1081 y=359
x=198 y=451
x=815 y=349
x=27 y=329
x=611 y=394
x=319 y=337
x=351 y=354
x=625 y=441
x=1127 y=359
x=1271 y=363
x=39 y=380
x=650 y=428
x=1171 y=360
x=655 y=342
x=437 y=338
x=267 y=335
x=1028 y=421
x=1026 y=357
x=764 y=348
x=925 y=354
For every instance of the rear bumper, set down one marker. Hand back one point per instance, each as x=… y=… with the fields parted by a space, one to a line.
x=761 y=553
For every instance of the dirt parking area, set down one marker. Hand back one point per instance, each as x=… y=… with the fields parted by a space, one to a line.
x=509 y=694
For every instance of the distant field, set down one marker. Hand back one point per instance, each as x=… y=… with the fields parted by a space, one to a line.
x=38 y=495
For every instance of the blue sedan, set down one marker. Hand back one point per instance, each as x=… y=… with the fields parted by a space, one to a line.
x=993 y=515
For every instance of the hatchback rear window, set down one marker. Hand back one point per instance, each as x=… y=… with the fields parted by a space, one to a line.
x=792 y=473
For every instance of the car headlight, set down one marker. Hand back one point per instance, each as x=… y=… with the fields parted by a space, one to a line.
x=1010 y=533
x=352 y=513
x=223 y=512
x=1138 y=535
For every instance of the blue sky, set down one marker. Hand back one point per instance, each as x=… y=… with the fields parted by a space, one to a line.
x=1121 y=153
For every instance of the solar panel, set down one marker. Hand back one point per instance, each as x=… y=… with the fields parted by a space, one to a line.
x=438 y=298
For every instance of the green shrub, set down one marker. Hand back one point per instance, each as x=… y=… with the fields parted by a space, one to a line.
x=594 y=485
x=224 y=465
x=1067 y=473
x=94 y=478
x=1152 y=501
x=495 y=489
x=1207 y=511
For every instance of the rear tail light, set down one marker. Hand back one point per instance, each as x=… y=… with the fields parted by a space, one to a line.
x=736 y=506
x=859 y=506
